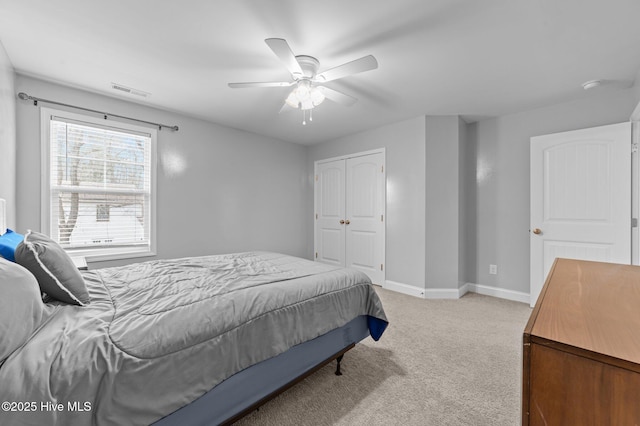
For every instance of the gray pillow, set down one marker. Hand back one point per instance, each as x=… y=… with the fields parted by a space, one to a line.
x=21 y=308
x=53 y=268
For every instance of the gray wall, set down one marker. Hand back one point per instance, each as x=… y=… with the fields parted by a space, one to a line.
x=405 y=170
x=7 y=137
x=474 y=183
x=219 y=190
x=466 y=204
x=223 y=190
x=636 y=88
x=501 y=189
x=442 y=187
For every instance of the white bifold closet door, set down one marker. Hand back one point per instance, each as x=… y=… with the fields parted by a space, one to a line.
x=349 y=218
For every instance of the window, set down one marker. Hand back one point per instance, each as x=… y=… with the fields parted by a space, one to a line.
x=98 y=186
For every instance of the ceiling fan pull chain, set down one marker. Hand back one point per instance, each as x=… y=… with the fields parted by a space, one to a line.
x=304 y=117
x=311 y=115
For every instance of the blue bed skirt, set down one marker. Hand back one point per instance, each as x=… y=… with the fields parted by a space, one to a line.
x=244 y=389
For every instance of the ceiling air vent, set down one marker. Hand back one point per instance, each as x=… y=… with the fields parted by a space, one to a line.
x=129 y=90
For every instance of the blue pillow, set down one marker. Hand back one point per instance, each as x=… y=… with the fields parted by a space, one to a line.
x=8 y=244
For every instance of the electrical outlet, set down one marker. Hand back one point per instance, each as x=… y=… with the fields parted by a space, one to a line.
x=493 y=269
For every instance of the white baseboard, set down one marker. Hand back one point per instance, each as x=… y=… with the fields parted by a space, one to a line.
x=404 y=288
x=442 y=293
x=502 y=293
x=429 y=293
x=447 y=293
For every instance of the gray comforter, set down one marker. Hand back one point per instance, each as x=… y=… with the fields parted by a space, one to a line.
x=159 y=334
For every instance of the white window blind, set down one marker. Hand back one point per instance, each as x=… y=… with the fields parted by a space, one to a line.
x=100 y=187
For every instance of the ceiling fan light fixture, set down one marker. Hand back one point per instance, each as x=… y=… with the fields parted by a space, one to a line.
x=303 y=91
x=306 y=104
x=305 y=96
x=292 y=100
x=317 y=97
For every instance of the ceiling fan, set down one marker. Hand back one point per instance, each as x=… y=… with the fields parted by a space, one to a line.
x=309 y=91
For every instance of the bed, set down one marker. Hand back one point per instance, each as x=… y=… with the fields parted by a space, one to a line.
x=200 y=340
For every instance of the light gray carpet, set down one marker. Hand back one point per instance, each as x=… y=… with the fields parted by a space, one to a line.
x=440 y=362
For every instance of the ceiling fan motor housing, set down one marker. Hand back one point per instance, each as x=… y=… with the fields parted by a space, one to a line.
x=309 y=66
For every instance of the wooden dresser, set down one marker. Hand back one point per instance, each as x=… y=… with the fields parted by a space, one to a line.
x=581 y=357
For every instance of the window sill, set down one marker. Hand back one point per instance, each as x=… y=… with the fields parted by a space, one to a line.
x=106 y=255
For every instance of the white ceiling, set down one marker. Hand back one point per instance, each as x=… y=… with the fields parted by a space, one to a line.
x=475 y=58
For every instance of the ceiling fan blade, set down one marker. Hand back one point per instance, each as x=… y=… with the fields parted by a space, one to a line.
x=256 y=84
x=359 y=65
x=337 y=97
x=282 y=50
x=286 y=108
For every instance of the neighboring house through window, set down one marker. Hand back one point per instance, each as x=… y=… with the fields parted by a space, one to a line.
x=98 y=185
x=102 y=212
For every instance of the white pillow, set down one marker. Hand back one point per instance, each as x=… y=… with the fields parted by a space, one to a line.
x=21 y=307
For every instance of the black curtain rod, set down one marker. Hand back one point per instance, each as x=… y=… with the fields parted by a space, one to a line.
x=35 y=100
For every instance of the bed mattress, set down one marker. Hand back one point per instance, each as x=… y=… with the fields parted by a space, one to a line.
x=158 y=335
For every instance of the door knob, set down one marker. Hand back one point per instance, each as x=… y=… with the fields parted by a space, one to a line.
x=341 y=222
x=347 y=221
x=537 y=231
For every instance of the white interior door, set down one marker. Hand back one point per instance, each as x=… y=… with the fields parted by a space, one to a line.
x=330 y=212
x=350 y=208
x=364 y=222
x=580 y=198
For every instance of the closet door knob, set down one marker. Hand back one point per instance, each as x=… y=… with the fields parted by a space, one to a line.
x=537 y=231
x=347 y=222
x=341 y=222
